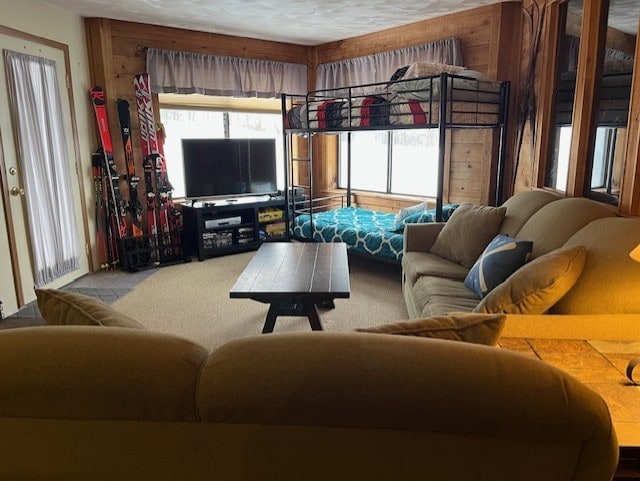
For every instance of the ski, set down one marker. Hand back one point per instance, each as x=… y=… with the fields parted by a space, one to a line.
x=135 y=207
x=148 y=165
x=116 y=205
x=156 y=179
x=103 y=232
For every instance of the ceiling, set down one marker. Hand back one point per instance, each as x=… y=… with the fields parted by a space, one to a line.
x=303 y=22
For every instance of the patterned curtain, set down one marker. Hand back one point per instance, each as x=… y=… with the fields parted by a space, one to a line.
x=187 y=73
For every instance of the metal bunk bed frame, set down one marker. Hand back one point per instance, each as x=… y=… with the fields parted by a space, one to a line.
x=443 y=123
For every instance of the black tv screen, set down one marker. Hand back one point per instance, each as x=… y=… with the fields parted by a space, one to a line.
x=219 y=167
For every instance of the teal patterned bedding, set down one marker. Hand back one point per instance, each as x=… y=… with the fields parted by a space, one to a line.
x=365 y=231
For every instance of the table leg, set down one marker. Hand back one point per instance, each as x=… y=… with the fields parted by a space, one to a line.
x=327 y=304
x=312 y=314
x=270 y=322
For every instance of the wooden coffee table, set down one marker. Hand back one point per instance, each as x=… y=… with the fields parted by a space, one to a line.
x=293 y=277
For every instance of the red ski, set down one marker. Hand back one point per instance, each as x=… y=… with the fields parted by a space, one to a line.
x=116 y=205
x=156 y=180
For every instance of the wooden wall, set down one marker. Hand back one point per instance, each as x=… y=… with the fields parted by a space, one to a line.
x=489 y=38
x=117 y=54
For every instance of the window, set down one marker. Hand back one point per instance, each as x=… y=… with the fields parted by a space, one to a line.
x=201 y=123
x=394 y=162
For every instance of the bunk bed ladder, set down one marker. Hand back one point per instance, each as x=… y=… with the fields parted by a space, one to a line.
x=442 y=137
x=504 y=111
x=295 y=183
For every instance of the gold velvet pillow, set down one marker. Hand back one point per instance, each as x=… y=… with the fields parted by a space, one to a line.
x=456 y=326
x=538 y=285
x=72 y=309
x=468 y=232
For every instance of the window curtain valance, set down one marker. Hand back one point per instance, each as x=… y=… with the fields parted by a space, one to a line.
x=380 y=67
x=186 y=73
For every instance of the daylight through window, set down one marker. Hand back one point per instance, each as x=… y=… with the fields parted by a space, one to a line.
x=394 y=162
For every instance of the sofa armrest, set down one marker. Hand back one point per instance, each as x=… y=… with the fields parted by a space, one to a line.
x=89 y=373
x=420 y=237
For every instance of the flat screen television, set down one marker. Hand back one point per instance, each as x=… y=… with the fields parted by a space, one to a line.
x=229 y=167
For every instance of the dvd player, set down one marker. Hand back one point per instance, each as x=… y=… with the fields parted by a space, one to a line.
x=208 y=224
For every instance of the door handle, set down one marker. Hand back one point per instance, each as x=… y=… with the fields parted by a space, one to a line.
x=17 y=191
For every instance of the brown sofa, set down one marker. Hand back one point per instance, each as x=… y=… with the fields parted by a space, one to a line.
x=607 y=288
x=117 y=403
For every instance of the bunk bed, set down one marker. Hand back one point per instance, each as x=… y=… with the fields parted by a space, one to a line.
x=614 y=95
x=613 y=101
x=452 y=98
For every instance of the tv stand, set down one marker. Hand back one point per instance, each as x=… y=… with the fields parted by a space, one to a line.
x=228 y=226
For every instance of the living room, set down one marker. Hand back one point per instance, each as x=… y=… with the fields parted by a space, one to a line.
x=110 y=52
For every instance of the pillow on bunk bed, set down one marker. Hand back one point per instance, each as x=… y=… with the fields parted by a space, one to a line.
x=476 y=86
x=422 y=69
x=398 y=221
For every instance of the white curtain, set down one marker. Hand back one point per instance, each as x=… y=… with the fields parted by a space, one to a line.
x=187 y=73
x=380 y=67
x=36 y=112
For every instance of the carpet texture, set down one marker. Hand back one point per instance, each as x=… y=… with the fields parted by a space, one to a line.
x=192 y=300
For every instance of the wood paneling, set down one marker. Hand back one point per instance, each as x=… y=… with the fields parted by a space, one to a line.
x=590 y=60
x=487 y=41
x=117 y=51
x=630 y=192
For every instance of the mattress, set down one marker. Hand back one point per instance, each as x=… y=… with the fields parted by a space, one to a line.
x=363 y=230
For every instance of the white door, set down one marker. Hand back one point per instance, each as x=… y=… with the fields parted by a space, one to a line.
x=16 y=266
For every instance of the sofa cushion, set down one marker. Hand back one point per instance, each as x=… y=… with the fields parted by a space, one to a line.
x=502 y=257
x=438 y=296
x=457 y=326
x=610 y=280
x=537 y=285
x=468 y=232
x=521 y=207
x=71 y=308
x=416 y=264
x=556 y=222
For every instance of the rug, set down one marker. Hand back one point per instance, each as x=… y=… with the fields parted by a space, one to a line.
x=192 y=301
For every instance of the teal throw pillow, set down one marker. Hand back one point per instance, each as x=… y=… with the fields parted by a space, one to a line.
x=503 y=256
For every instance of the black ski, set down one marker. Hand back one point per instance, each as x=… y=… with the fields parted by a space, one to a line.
x=135 y=207
x=104 y=235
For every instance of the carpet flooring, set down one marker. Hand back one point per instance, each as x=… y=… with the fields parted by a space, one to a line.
x=192 y=300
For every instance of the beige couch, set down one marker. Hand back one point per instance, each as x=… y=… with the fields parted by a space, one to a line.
x=605 y=298
x=117 y=403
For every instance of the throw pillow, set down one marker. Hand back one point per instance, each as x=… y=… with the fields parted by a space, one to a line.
x=398 y=221
x=502 y=257
x=70 y=308
x=538 y=285
x=456 y=326
x=423 y=69
x=468 y=232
